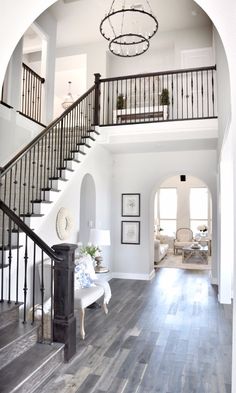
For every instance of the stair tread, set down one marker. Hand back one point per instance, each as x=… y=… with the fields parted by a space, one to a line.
x=15 y=331
x=96 y=132
x=42 y=201
x=7 y=247
x=67 y=169
x=50 y=189
x=31 y=215
x=57 y=178
x=6 y=307
x=21 y=368
x=88 y=137
x=83 y=144
x=78 y=151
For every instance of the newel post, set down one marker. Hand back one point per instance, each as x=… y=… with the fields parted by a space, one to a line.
x=64 y=322
x=97 y=99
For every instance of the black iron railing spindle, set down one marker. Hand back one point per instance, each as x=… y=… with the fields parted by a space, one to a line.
x=31 y=101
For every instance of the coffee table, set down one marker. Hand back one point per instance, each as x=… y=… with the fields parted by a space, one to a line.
x=200 y=255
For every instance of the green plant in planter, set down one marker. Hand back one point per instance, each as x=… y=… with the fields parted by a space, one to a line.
x=164 y=98
x=121 y=102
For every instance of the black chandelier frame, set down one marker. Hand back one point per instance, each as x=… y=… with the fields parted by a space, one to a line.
x=120 y=39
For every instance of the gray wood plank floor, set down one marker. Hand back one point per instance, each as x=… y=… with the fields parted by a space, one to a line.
x=169 y=335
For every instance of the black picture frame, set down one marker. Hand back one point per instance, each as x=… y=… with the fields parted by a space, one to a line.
x=130 y=232
x=130 y=205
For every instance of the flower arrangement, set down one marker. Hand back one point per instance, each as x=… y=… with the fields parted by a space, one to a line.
x=202 y=228
x=90 y=249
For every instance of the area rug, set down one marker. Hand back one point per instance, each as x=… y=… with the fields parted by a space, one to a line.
x=175 y=261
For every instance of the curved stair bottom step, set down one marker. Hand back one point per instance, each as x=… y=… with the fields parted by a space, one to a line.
x=27 y=372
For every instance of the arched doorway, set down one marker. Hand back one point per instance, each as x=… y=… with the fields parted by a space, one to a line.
x=183 y=203
x=87 y=208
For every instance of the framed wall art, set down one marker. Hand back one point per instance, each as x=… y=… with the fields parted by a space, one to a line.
x=130 y=232
x=130 y=205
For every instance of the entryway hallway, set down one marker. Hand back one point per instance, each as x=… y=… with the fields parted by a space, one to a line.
x=168 y=335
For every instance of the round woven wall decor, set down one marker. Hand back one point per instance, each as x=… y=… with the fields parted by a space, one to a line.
x=64 y=223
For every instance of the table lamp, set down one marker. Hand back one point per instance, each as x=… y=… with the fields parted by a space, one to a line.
x=99 y=237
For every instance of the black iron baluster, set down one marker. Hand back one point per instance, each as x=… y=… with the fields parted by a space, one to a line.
x=61 y=146
x=213 y=96
x=23 y=91
x=15 y=193
x=9 y=258
x=177 y=96
x=172 y=97
x=197 y=75
x=29 y=182
x=25 y=289
x=20 y=186
x=33 y=196
x=192 y=93
x=34 y=273
x=52 y=297
x=3 y=256
x=202 y=94
x=10 y=188
x=42 y=289
x=208 y=112
x=17 y=263
x=182 y=95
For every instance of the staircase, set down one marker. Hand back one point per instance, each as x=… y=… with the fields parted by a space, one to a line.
x=29 y=185
x=24 y=363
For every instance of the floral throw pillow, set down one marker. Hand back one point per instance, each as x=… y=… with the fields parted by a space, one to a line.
x=82 y=279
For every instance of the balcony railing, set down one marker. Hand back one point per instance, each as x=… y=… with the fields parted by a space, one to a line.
x=161 y=96
x=31 y=96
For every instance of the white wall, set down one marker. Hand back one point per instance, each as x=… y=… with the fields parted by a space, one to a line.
x=223 y=88
x=143 y=173
x=164 y=54
x=98 y=163
x=15 y=132
x=96 y=58
x=48 y=27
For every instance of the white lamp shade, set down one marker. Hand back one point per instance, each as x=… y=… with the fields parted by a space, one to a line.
x=99 y=237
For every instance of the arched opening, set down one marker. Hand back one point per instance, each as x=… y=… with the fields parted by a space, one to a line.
x=183 y=223
x=87 y=208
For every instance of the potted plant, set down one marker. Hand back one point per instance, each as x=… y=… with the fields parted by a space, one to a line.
x=121 y=102
x=165 y=102
x=164 y=97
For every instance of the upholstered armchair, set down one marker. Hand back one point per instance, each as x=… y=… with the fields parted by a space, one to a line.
x=184 y=237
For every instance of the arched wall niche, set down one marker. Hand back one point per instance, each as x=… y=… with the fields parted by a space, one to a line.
x=87 y=208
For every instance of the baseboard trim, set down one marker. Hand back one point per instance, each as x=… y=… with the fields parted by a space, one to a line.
x=133 y=276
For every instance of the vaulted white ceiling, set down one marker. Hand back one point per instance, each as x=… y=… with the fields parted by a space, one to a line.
x=79 y=20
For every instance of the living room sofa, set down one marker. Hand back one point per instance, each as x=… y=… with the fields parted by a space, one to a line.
x=160 y=250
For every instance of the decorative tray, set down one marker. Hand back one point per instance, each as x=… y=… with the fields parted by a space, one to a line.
x=195 y=246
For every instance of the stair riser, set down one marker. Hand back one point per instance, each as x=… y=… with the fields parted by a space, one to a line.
x=35 y=380
x=9 y=317
x=71 y=165
x=59 y=184
x=41 y=208
x=79 y=156
x=50 y=196
x=17 y=347
x=66 y=174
